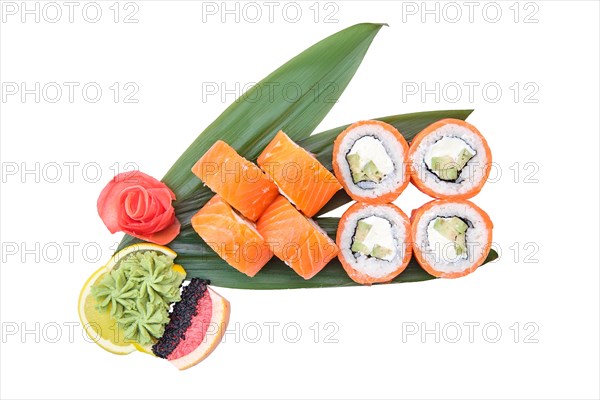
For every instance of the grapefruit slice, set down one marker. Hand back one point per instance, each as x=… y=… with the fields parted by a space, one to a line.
x=197 y=325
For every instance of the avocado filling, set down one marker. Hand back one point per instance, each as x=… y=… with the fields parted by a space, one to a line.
x=447 y=237
x=374 y=238
x=368 y=160
x=448 y=157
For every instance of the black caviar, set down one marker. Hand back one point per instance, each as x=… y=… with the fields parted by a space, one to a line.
x=180 y=318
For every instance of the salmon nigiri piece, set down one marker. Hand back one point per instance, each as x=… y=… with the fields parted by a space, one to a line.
x=296 y=239
x=238 y=181
x=234 y=238
x=300 y=176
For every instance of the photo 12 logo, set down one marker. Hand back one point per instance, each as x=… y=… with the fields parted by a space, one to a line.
x=452 y=12
x=287 y=332
x=73 y=252
x=269 y=11
x=69 y=92
x=61 y=172
x=469 y=332
x=252 y=92
x=53 y=12
x=471 y=92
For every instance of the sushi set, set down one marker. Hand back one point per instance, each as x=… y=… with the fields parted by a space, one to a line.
x=245 y=211
x=261 y=211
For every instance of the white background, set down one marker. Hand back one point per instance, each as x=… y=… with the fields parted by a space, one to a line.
x=171 y=54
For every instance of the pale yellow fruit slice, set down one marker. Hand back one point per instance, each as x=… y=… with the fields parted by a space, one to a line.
x=100 y=326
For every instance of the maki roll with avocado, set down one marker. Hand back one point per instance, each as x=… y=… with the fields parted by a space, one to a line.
x=450 y=238
x=449 y=159
x=373 y=242
x=369 y=160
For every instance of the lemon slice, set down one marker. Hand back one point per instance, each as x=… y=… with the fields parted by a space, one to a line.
x=100 y=326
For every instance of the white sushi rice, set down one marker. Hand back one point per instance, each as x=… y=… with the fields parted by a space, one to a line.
x=395 y=153
x=439 y=254
x=372 y=266
x=472 y=173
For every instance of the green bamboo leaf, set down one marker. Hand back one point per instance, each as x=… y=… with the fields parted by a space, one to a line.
x=295 y=97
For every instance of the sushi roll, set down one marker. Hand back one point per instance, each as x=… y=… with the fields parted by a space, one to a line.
x=451 y=238
x=374 y=242
x=450 y=159
x=301 y=178
x=238 y=181
x=370 y=161
x=234 y=238
x=296 y=239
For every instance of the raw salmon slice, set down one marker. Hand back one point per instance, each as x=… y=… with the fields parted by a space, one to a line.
x=233 y=237
x=296 y=239
x=238 y=181
x=300 y=176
